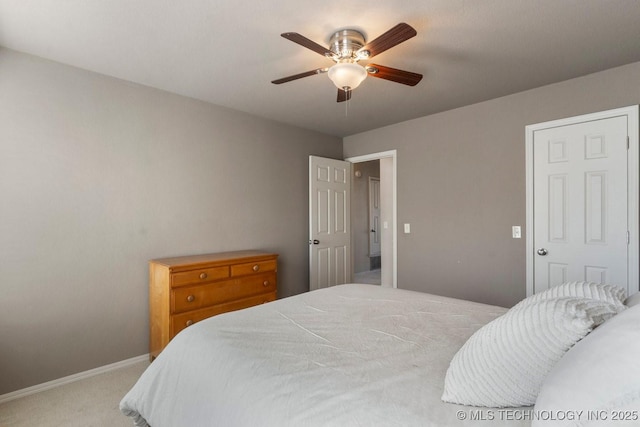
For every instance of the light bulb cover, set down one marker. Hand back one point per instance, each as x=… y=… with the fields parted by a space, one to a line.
x=347 y=75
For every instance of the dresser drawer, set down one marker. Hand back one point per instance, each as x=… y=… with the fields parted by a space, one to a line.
x=201 y=275
x=195 y=297
x=253 y=267
x=183 y=320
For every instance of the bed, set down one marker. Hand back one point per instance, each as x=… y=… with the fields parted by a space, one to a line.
x=347 y=355
x=364 y=355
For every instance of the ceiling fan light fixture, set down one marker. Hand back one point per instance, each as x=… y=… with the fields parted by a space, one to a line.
x=346 y=48
x=347 y=75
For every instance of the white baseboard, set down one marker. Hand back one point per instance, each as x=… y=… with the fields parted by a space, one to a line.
x=71 y=378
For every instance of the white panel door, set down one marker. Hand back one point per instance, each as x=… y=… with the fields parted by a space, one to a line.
x=374 y=217
x=581 y=203
x=329 y=222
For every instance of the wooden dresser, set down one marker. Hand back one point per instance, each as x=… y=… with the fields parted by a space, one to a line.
x=185 y=290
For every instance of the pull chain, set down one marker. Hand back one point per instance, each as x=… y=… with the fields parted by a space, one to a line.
x=346 y=103
x=346 y=107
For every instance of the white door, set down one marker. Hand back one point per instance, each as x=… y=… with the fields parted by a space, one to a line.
x=374 y=216
x=580 y=203
x=329 y=222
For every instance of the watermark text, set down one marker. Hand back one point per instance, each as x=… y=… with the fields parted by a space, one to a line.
x=531 y=415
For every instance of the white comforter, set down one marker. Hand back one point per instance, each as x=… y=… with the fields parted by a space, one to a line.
x=351 y=355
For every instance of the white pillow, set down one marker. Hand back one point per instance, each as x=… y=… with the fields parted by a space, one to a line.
x=504 y=363
x=609 y=293
x=600 y=374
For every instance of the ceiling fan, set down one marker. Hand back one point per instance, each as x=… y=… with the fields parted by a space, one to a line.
x=347 y=47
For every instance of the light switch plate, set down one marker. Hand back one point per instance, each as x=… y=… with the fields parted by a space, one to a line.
x=407 y=228
x=516 y=232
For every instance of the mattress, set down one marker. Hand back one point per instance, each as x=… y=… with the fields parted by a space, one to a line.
x=349 y=355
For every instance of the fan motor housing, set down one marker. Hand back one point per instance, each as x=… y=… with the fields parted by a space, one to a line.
x=346 y=43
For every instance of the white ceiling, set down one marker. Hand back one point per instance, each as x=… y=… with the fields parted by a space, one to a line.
x=227 y=52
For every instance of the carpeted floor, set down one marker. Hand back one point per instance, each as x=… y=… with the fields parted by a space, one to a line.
x=91 y=402
x=369 y=277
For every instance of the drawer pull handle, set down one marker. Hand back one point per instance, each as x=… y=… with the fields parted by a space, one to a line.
x=189 y=322
x=265 y=283
x=203 y=276
x=256 y=267
x=190 y=298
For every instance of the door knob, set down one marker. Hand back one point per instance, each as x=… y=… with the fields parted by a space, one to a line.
x=316 y=242
x=373 y=231
x=542 y=251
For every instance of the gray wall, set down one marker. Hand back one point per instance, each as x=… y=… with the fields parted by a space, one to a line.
x=97 y=176
x=461 y=184
x=360 y=214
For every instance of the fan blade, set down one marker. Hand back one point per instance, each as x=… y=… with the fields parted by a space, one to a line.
x=398 y=34
x=299 y=76
x=309 y=44
x=393 y=74
x=344 y=95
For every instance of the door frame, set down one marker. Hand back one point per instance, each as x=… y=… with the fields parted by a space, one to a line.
x=633 y=178
x=394 y=200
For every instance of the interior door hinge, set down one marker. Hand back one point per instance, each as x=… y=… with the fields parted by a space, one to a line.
x=628 y=142
x=628 y=237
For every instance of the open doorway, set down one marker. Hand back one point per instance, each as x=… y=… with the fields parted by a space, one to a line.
x=386 y=233
x=366 y=226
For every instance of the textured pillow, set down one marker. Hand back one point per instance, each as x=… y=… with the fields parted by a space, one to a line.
x=600 y=374
x=504 y=363
x=609 y=293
